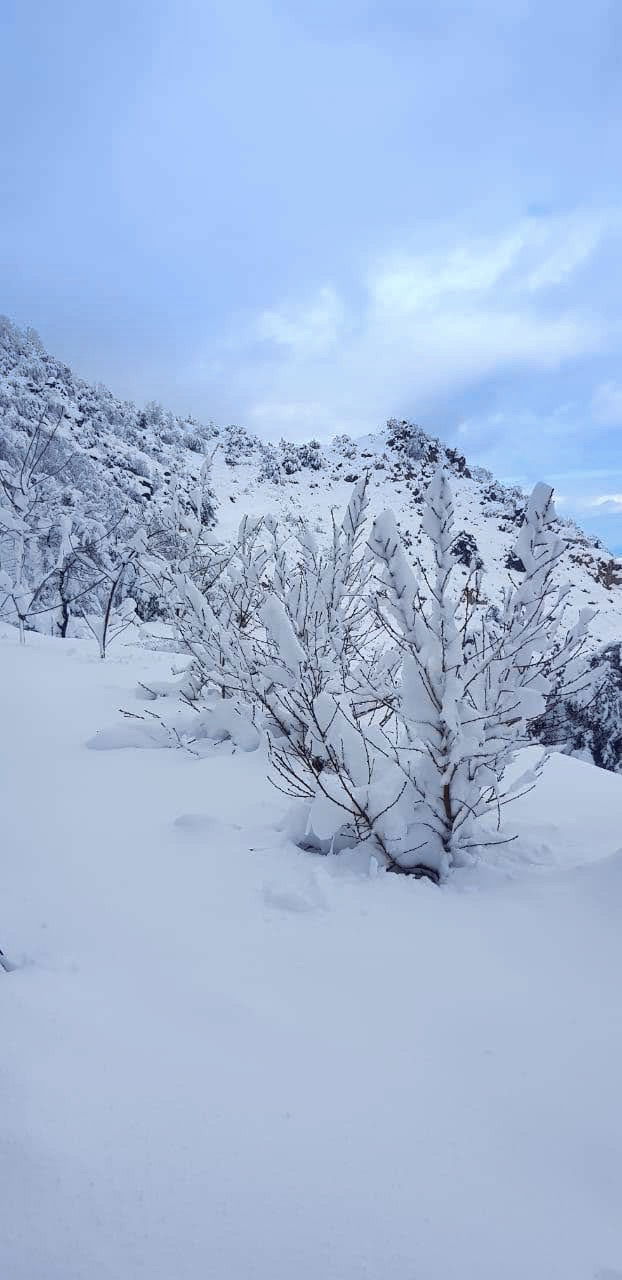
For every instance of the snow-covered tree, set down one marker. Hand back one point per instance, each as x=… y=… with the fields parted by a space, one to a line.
x=97 y=459
x=315 y=675
x=31 y=525
x=471 y=680
x=394 y=697
x=218 y=612
x=116 y=610
x=238 y=445
x=270 y=465
x=583 y=717
x=273 y=621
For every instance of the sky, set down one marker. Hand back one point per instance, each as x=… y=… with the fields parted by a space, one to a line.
x=310 y=217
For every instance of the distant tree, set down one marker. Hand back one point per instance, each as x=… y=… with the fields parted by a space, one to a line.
x=30 y=525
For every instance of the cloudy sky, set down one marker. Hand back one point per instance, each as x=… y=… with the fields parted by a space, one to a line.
x=310 y=215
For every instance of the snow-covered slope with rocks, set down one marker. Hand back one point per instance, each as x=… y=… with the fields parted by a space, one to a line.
x=114 y=456
x=224 y=1057
x=122 y=457
x=402 y=459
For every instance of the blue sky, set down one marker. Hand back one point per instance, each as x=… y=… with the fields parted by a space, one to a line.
x=310 y=217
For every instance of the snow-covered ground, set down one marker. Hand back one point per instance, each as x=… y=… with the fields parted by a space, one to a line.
x=224 y=1058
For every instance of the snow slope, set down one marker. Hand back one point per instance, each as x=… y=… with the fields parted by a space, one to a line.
x=489 y=512
x=225 y=1058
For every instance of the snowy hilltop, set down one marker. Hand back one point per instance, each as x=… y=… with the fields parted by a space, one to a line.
x=110 y=459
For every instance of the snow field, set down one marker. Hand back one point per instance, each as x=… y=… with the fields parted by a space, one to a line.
x=226 y=1058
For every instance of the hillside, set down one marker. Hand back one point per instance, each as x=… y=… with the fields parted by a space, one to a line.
x=123 y=457
x=314 y=480
x=119 y=456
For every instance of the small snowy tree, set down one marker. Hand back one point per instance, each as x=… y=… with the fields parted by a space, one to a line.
x=218 y=611
x=470 y=680
x=269 y=465
x=116 y=611
x=273 y=621
x=314 y=675
x=56 y=560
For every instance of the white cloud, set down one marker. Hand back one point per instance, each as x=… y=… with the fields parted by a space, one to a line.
x=611 y=503
x=565 y=253
x=408 y=283
x=537 y=254
x=420 y=326
x=311 y=328
x=428 y=323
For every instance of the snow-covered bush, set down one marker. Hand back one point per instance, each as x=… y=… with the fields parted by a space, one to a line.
x=31 y=525
x=587 y=722
x=394 y=699
x=310 y=455
x=465 y=550
x=281 y=628
x=317 y=623
x=344 y=444
x=238 y=445
x=115 y=609
x=295 y=457
x=269 y=465
x=408 y=439
x=471 y=680
x=233 y=598
x=59 y=563
x=218 y=613
x=210 y=591
x=199 y=436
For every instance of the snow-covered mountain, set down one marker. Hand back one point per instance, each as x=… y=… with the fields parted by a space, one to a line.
x=123 y=457
x=314 y=480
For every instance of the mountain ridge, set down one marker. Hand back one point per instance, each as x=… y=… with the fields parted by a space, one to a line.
x=123 y=457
